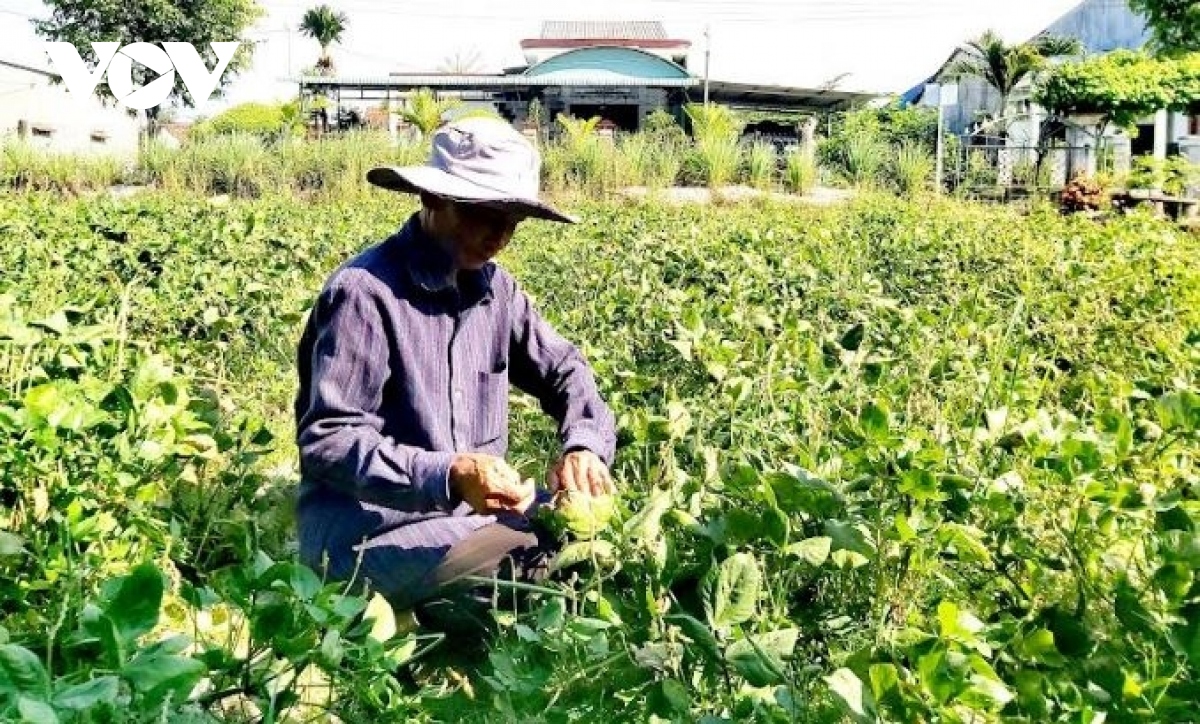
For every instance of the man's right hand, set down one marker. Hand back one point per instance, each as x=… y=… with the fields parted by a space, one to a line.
x=489 y=485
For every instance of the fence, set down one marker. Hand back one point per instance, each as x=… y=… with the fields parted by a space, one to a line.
x=1000 y=166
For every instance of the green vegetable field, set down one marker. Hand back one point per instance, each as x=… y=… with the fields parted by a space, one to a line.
x=893 y=461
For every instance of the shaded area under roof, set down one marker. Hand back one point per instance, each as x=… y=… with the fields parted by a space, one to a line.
x=783 y=97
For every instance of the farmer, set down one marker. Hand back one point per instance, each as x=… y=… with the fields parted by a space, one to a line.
x=405 y=365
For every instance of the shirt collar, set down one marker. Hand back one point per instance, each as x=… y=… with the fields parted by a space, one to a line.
x=431 y=268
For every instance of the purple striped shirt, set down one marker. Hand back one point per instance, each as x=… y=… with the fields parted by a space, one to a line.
x=401 y=367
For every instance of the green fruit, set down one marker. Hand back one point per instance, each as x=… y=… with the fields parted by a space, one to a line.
x=579 y=514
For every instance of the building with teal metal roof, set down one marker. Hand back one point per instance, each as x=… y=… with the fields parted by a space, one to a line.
x=620 y=72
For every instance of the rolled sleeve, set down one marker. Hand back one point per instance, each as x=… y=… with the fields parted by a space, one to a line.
x=340 y=434
x=550 y=368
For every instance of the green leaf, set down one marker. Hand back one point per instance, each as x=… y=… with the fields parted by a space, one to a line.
x=874 y=421
x=600 y=551
x=813 y=551
x=735 y=594
x=700 y=634
x=134 y=607
x=776 y=526
x=21 y=671
x=35 y=711
x=957 y=624
x=762 y=658
x=80 y=697
x=849 y=538
x=884 y=678
x=797 y=491
x=646 y=524
x=848 y=688
x=1039 y=647
x=156 y=677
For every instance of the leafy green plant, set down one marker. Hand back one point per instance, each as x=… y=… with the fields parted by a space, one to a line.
x=889 y=460
x=425 y=111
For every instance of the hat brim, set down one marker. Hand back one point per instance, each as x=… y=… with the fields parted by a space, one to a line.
x=417 y=179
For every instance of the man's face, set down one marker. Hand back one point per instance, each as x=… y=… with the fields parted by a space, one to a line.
x=478 y=233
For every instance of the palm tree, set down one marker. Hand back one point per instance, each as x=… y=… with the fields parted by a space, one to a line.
x=462 y=62
x=1003 y=66
x=326 y=26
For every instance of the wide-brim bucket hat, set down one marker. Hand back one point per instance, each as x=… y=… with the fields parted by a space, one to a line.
x=480 y=161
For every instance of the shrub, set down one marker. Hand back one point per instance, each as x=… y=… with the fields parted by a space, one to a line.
x=255 y=119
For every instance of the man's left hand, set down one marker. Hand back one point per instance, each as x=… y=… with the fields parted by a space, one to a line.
x=582 y=471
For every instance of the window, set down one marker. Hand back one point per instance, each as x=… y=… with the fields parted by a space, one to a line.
x=1195 y=126
x=41 y=132
x=99 y=137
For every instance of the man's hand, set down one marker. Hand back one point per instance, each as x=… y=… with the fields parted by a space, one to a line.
x=582 y=471
x=490 y=485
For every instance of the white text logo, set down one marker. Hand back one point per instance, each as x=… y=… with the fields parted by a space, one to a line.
x=171 y=57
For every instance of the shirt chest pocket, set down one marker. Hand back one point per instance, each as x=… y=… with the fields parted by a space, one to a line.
x=491 y=417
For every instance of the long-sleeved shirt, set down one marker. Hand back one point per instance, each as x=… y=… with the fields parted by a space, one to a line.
x=403 y=364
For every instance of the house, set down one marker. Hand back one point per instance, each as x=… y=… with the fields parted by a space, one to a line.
x=40 y=112
x=618 y=71
x=1101 y=26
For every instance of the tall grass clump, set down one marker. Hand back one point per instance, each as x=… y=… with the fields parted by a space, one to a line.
x=863 y=160
x=761 y=162
x=801 y=171
x=578 y=160
x=912 y=168
x=717 y=152
x=25 y=167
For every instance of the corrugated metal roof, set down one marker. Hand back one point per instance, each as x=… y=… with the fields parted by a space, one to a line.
x=598 y=80
x=603 y=30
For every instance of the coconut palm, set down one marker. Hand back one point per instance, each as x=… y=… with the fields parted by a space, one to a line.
x=326 y=26
x=1003 y=66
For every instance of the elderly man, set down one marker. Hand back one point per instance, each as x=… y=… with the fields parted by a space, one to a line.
x=405 y=365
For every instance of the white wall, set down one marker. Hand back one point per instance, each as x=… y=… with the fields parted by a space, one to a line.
x=71 y=121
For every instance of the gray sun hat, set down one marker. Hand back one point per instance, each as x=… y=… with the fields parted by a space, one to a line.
x=476 y=160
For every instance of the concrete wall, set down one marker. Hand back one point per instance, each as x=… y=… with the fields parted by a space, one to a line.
x=52 y=118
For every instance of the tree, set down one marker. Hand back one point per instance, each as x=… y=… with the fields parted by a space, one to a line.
x=199 y=22
x=1123 y=87
x=1175 y=24
x=326 y=26
x=1003 y=66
